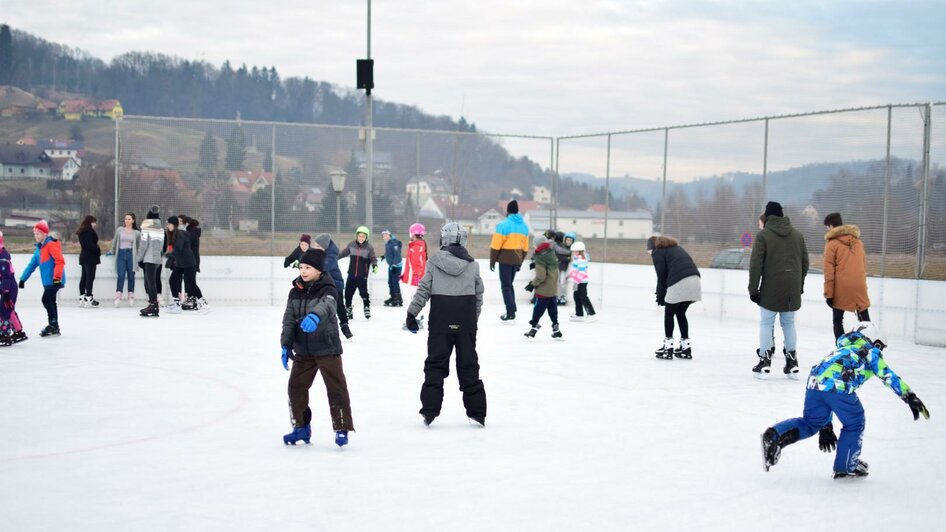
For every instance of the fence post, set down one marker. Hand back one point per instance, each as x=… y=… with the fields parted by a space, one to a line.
x=663 y=193
x=117 y=147
x=272 y=219
x=883 y=238
x=607 y=206
x=924 y=195
x=765 y=163
x=553 y=170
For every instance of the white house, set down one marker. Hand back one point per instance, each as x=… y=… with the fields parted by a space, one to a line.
x=541 y=195
x=421 y=189
x=64 y=168
x=24 y=162
x=591 y=224
x=57 y=149
x=486 y=223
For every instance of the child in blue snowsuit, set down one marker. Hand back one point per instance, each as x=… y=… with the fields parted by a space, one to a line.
x=832 y=387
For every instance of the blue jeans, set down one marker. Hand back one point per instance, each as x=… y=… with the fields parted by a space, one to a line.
x=507 y=274
x=817 y=413
x=767 y=330
x=125 y=265
x=394 y=279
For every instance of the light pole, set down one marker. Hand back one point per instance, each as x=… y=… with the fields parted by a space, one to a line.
x=338 y=184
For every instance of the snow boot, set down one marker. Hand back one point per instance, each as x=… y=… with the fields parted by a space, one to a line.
x=791 y=364
x=367 y=308
x=341 y=438
x=683 y=350
x=860 y=471
x=50 y=330
x=18 y=336
x=298 y=433
x=666 y=351
x=556 y=334
x=532 y=332
x=346 y=331
x=765 y=363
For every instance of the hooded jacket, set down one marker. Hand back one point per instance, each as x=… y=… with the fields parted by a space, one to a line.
x=318 y=297
x=362 y=258
x=416 y=262
x=672 y=263
x=845 y=269
x=392 y=252
x=453 y=285
x=510 y=242
x=152 y=242
x=780 y=263
x=48 y=258
x=546 y=271
x=850 y=365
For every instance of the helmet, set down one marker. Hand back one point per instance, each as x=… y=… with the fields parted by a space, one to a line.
x=571 y=235
x=453 y=234
x=578 y=246
x=871 y=332
x=363 y=229
x=387 y=232
x=417 y=229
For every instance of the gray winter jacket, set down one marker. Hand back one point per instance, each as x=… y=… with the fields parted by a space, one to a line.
x=453 y=285
x=152 y=242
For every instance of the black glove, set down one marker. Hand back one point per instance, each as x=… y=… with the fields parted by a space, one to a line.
x=412 y=323
x=532 y=265
x=529 y=287
x=755 y=298
x=22 y=284
x=141 y=264
x=830 y=302
x=492 y=267
x=827 y=441
x=916 y=406
x=57 y=283
x=660 y=301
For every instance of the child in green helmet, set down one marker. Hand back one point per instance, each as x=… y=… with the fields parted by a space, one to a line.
x=361 y=258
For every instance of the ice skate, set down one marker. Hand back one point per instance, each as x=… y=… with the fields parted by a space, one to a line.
x=508 y=318
x=203 y=307
x=389 y=302
x=189 y=304
x=174 y=307
x=589 y=318
x=341 y=438
x=576 y=317
x=118 y=299
x=346 y=331
x=762 y=369
x=771 y=451
x=350 y=312
x=683 y=350
x=562 y=301
x=150 y=311
x=477 y=421
x=532 y=332
x=50 y=330
x=556 y=334
x=82 y=302
x=791 y=364
x=428 y=419
x=131 y=300
x=90 y=302
x=18 y=336
x=367 y=309
x=298 y=433
x=6 y=340
x=860 y=471
x=666 y=351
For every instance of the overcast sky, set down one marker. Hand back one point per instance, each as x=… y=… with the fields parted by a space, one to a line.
x=546 y=67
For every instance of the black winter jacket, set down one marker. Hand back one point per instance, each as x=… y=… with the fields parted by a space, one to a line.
x=194 y=233
x=673 y=264
x=183 y=255
x=320 y=298
x=89 y=242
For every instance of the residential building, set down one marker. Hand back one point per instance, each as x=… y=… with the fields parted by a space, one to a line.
x=421 y=189
x=591 y=224
x=541 y=195
x=24 y=162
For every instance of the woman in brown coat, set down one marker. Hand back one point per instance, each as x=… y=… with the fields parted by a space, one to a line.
x=845 y=272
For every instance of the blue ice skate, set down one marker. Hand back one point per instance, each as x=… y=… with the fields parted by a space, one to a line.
x=341 y=438
x=298 y=433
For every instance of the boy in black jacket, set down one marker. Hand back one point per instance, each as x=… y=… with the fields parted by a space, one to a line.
x=310 y=338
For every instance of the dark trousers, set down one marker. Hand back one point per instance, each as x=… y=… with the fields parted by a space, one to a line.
x=541 y=305
x=507 y=274
x=301 y=378
x=87 y=279
x=151 y=281
x=437 y=368
x=838 y=320
x=190 y=283
x=186 y=276
x=678 y=310
x=49 y=302
x=340 y=306
x=819 y=406
x=356 y=283
x=582 y=301
x=394 y=281
x=157 y=278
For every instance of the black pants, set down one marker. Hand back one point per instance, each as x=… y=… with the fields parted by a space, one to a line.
x=190 y=283
x=151 y=281
x=437 y=368
x=838 y=319
x=507 y=274
x=157 y=278
x=541 y=305
x=87 y=279
x=301 y=378
x=680 y=311
x=582 y=301
x=359 y=283
x=49 y=302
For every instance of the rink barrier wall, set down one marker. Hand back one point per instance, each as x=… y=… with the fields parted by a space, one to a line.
x=905 y=307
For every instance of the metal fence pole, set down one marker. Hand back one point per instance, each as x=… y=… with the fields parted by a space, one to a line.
x=765 y=163
x=117 y=155
x=924 y=197
x=272 y=220
x=883 y=237
x=607 y=205
x=553 y=171
x=663 y=193
x=417 y=188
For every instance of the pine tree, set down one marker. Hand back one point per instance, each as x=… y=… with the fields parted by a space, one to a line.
x=207 y=158
x=6 y=55
x=236 y=149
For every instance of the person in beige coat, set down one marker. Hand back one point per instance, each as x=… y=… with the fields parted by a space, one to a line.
x=845 y=272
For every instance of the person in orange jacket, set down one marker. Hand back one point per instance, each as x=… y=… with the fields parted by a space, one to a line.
x=416 y=263
x=52 y=268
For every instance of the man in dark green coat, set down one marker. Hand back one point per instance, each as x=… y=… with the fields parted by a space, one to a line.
x=777 y=273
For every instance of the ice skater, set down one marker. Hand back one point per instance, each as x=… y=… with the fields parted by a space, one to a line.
x=11 y=330
x=292 y=260
x=52 y=268
x=392 y=254
x=832 y=389
x=416 y=263
x=362 y=259
x=310 y=338
x=545 y=285
x=678 y=287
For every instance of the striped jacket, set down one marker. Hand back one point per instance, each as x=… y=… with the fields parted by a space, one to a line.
x=578 y=269
x=510 y=242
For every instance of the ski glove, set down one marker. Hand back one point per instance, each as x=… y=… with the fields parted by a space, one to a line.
x=57 y=283
x=916 y=406
x=532 y=265
x=529 y=287
x=660 y=301
x=310 y=322
x=827 y=441
x=374 y=268
x=492 y=267
x=411 y=323
x=22 y=283
x=286 y=355
x=830 y=302
x=755 y=298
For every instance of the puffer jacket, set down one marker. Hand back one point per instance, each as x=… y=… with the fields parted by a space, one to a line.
x=545 y=281
x=672 y=263
x=850 y=365
x=180 y=254
x=416 y=263
x=48 y=258
x=362 y=258
x=510 y=242
x=318 y=297
x=578 y=269
x=845 y=269
x=331 y=266
x=89 y=253
x=453 y=285
x=152 y=242
x=778 y=266
x=8 y=286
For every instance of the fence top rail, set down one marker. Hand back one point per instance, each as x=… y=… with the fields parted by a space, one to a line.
x=745 y=120
x=334 y=126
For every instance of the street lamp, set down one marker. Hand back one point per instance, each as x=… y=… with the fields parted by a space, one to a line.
x=338 y=184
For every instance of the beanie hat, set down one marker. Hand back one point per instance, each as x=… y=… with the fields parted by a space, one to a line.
x=173 y=221
x=313 y=257
x=154 y=213
x=305 y=238
x=323 y=240
x=512 y=207
x=42 y=227
x=773 y=208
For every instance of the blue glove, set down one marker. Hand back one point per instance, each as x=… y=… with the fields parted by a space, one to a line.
x=286 y=355
x=310 y=323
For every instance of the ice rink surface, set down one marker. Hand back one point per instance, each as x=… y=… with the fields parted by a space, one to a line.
x=176 y=423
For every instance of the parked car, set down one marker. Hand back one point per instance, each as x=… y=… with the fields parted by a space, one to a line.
x=732 y=259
